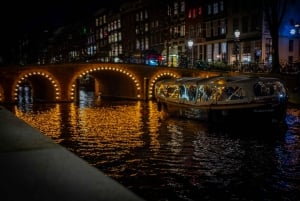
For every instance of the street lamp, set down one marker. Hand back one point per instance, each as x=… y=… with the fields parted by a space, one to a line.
x=190 y=45
x=237 y=34
x=295 y=30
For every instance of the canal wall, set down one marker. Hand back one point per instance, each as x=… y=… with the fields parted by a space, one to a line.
x=33 y=167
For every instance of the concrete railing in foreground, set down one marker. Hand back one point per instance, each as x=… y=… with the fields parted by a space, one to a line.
x=34 y=168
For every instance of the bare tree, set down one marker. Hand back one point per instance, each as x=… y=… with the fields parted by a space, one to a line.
x=274 y=13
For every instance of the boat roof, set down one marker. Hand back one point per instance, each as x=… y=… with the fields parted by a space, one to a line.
x=227 y=79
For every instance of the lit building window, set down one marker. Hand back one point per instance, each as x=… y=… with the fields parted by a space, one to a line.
x=120 y=36
x=216 y=8
x=175 y=8
x=169 y=11
x=119 y=23
x=200 y=11
x=223 y=27
x=146 y=43
x=223 y=47
x=115 y=37
x=100 y=21
x=182 y=6
x=182 y=30
x=115 y=25
x=101 y=33
x=105 y=33
x=190 y=13
x=194 y=13
x=175 y=31
x=216 y=51
x=142 y=46
x=209 y=52
x=141 y=16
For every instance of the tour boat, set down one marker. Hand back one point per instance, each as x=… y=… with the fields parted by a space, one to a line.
x=224 y=98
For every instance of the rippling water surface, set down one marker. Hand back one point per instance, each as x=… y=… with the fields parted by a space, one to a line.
x=162 y=158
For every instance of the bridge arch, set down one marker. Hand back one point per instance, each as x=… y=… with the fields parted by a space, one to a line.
x=45 y=86
x=159 y=76
x=99 y=73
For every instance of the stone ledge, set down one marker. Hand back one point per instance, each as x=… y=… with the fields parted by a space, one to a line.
x=33 y=168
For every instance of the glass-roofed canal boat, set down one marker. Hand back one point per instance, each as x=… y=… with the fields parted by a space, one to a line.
x=224 y=98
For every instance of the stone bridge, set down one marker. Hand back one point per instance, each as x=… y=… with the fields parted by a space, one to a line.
x=60 y=83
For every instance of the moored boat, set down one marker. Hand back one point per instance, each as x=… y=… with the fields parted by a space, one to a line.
x=224 y=98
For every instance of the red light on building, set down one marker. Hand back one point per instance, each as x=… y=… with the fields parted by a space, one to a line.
x=200 y=11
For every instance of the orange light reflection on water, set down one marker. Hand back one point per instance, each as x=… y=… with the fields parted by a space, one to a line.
x=46 y=121
x=96 y=130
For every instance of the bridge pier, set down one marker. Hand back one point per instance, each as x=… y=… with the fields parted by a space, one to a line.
x=146 y=86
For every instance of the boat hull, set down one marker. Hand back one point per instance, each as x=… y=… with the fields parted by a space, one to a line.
x=259 y=113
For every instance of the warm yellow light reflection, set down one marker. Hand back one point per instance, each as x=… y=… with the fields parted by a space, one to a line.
x=154 y=124
x=110 y=133
x=48 y=122
x=106 y=128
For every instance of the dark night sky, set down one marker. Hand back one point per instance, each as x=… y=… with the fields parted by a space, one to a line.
x=24 y=16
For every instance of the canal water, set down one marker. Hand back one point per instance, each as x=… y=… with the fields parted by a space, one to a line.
x=161 y=158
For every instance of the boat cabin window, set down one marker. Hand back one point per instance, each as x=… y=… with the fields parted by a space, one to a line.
x=208 y=93
x=192 y=92
x=161 y=90
x=232 y=93
x=188 y=92
x=173 y=91
x=168 y=91
x=183 y=95
x=204 y=93
x=268 y=88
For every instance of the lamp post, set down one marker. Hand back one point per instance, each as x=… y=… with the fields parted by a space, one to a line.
x=190 y=45
x=237 y=34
